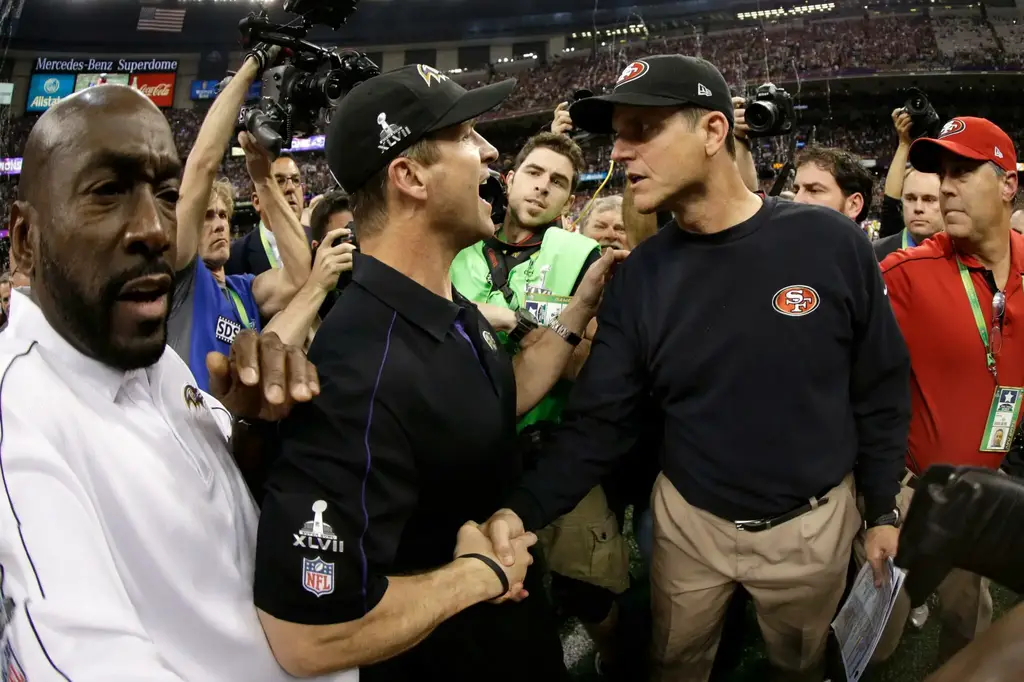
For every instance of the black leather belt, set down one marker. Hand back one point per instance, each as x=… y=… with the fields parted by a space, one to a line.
x=760 y=525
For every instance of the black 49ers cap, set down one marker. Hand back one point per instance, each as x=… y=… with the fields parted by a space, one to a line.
x=670 y=80
x=382 y=117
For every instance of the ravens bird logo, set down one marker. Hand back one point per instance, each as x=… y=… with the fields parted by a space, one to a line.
x=193 y=398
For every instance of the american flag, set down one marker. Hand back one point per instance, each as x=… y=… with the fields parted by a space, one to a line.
x=167 y=20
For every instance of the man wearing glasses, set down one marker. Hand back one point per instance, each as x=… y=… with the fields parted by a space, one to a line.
x=954 y=297
x=257 y=251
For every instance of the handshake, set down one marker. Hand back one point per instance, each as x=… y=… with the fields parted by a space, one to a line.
x=501 y=549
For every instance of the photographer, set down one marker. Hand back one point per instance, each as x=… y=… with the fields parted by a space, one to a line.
x=910 y=207
x=258 y=251
x=744 y=154
x=334 y=244
x=532 y=267
x=210 y=307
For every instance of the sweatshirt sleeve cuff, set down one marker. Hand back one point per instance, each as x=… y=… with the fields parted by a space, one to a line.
x=875 y=507
x=526 y=507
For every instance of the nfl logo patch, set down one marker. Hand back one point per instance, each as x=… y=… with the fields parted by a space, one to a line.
x=317 y=576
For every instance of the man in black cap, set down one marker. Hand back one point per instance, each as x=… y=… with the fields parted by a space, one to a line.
x=763 y=333
x=413 y=431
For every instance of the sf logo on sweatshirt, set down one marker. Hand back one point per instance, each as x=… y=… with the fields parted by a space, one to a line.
x=796 y=301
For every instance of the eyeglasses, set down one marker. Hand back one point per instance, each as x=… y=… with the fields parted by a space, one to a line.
x=998 y=309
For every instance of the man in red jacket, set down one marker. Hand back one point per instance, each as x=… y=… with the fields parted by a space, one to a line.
x=958 y=298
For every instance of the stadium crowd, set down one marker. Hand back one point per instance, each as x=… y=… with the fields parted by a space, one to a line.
x=782 y=51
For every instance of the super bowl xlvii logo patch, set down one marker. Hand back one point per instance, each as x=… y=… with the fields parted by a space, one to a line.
x=390 y=135
x=316 y=534
x=10 y=668
x=317 y=576
x=227 y=329
x=193 y=398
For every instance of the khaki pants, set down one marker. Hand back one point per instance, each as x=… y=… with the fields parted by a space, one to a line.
x=586 y=544
x=795 y=573
x=964 y=600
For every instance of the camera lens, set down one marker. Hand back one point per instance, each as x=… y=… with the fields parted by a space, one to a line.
x=760 y=116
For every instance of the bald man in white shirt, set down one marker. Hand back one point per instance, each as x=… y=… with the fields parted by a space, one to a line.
x=127 y=534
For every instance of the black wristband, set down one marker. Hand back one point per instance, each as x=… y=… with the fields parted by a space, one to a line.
x=494 y=567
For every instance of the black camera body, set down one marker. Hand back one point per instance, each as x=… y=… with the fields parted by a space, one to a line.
x=579 y=136
x=770 y=112
x=300 y=94
x=350 y=238
x=924 y=120
x=494 y=192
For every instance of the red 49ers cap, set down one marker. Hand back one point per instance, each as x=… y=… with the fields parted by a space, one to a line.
x=969 y=137
x=668 y=80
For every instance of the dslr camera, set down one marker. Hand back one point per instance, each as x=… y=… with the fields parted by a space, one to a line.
x=924 y=120
x=579 y=136
x=770 y=112
x=300 y=93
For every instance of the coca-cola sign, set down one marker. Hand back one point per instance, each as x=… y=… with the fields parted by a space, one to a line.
x=159 y=87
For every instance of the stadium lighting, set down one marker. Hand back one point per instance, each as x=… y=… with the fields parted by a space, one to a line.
x=792 y=11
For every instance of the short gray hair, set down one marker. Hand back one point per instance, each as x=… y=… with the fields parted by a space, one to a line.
x=612 y=203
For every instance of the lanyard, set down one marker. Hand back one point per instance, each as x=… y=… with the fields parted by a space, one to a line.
x=242 y=316
x=906 y=239
x=979 y=319
x=266 y=247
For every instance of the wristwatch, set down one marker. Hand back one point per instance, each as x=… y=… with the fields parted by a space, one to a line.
x=525 y=323
x=890 y=519
x=570 y=337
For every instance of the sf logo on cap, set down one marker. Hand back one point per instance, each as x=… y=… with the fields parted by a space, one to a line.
x=795 y=301
x=953 y=127
x=632 y=72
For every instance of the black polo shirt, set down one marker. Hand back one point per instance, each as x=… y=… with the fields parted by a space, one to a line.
x=413 y=434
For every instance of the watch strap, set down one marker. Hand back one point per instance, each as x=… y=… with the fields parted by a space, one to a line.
x=570 y=336
x=889 y=519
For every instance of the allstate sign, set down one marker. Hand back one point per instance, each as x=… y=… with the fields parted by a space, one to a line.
x=202 y=90
x=46 y=89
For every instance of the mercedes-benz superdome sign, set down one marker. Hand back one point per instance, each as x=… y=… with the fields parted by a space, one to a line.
x=104 y=65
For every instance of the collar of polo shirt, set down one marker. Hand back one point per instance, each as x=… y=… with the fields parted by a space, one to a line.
x=27 y=321
x=412 y=301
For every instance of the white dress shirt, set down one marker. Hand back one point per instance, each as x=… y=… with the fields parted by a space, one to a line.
x=127 y=535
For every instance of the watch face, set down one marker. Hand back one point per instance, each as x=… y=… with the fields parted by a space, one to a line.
x=526 y=316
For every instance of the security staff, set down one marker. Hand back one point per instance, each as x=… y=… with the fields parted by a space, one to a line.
x=532 y=267
x=211 y=306
x=127 y=535
x=777 y=391
x=958 y=298
x=413 y=432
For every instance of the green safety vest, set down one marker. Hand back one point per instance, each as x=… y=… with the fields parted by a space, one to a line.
x=555 y=267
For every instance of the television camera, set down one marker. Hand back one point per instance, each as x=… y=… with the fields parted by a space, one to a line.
x=300 y=93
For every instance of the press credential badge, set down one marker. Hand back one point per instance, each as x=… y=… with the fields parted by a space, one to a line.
x=1002 y=418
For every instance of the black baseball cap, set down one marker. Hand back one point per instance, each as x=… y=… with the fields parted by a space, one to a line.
x=382 y=117
x=670 y=80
